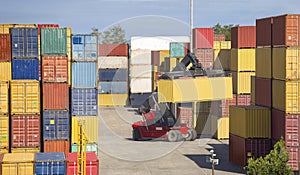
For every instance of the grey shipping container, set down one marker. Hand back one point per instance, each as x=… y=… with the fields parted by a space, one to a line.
x=56 y=124
x=113 y=74
x=113 y=87
x=84 y=102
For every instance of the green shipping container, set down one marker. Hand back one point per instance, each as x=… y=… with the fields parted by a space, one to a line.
x=90 y=147
x=176 y=49
x=54 y=41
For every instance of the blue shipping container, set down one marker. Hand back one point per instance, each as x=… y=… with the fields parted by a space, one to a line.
x=176 y=49
x=84 y=74
x=24 y=42
x=84 y=102
x=56 y=124
x=25 y=69
x=50 y=163
x=113 y=74
x=113 y=87
x=84 y=47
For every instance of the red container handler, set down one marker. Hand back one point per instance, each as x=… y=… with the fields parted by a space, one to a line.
x=113 y=50
x=263 y=89
x=5 y=48
x=243 y=37
x=203 y=38
x=55 y=96
x=46 y=26
x=92 y=163
x=57 y=146
x=55 y=68
x=264 y=32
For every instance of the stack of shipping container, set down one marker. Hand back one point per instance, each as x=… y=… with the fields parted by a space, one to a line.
x=84 y=93
x=113 y=74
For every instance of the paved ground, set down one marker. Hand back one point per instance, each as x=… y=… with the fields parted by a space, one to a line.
x=119 y=155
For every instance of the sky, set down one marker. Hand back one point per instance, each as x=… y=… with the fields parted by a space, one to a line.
x=142 y=17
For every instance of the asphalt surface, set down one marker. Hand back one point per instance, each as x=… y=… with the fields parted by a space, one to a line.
x=120 y=155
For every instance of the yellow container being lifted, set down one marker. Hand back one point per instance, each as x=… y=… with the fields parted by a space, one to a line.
x=242 y=82
x=112 y=99
x=18 y=164
x=264 y=62
x=222 y=44
x=90 y=128
x=4 y=96
x=5 y=71
x=243 y=59
x=4 y=131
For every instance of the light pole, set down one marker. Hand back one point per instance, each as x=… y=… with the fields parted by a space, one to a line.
x=191 y=24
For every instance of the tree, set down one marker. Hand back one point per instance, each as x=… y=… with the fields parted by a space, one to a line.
x=226 y=30
x=95 y=31
x=275 y=163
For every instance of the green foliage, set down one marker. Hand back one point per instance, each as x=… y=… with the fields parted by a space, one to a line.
x=275 y=163
x=113 y=35
x=226 y=30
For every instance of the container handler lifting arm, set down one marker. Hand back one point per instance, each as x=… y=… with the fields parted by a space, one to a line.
x=81 y=168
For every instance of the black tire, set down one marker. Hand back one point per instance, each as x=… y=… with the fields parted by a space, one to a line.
x=136 y=135
x=190 y=135
x=172 y=136
x=195 y=135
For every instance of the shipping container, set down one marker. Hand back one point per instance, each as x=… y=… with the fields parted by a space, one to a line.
x=25 y=150
x=137 y=99
x=4 y=28
x=18 y=164
x=112 y=63
x=56 y=125
x=90 y=128
x=285 y=30
x=55 y=68
x=293 y=158
x=46 y=26
x=162 y=55
x=54 y=41
x=113 y=87
x=69 y=43
x=220 y=127
x=92 y=163
x=113 y=50
x=24 y=26
x=5 y=47
x=285 y=96
x=55 y=96
x=155 y=58
x=90 y=147
x=112 y=75
x=57 y=146
x=50 y=163
x=222 y=44
x=176 y=49
x=69 y=73
x=4 y=131
x=3 y=151
x=5 y=71
x=140 y=57
x=4 y=97
x=84 y=102
x=141 y=85
x=24 y=42
x=263 y=92
x=205 y=57
x=221 y=108
x=253 y=93
x=112 y=99
x=25 y=97
x=84 y=47
x=185 y=116
x=140 y=71
x=241 y=149
x=250 y=121
x=222 y=59
x=286 y=63
x=243 y=37
x=25 y=69
x=219 y=37
x=84 y=74
x=243 y=59
x=187 y=48
x=243 y=100
x=25 y=131
x=242 y=82
x=203 y=38
x=264 y=62
x=264 y=32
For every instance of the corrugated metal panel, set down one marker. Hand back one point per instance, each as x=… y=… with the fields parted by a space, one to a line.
x=55 y=96
x=57 y=146
x=286 y=63
x=185 y=116
x=25 y=131
x=24 y=26
x=5 y=71
x=293 y=157
x=263 y=91
x=84 y=47
x=5 y=47
x=222 y=59
x=112 y=74
x=112 y=99
x=84 y=74
x=18 y=163
x=4 y=131
x=25 y=69
x=90 y=128
x=112 y=62
x=92 y=163
x=140 y=57
x=90 y=147
x=264 y=32
x=243 y=37
x=24 y=42
x=242 y=82
x=4 y=28
x=222 y=44
x=25 y=97
x=285 y=96
x=115 y=87
x=46 y=26
x=54 y=41
x=243 y=100
x=113 y=50
x=203 y=38
x=4 y=96
x=140 y=85
x=140 y=71
x=84 y=102
x=56 y=125
x=264 y=62
x=176 y=49
x=205 y=57
x=50 y=163
x=219 y=37
x=243 y=59
x=25 y=150
x=250 y=121
x=220 y=126
x=253 y=93
x=55 y=68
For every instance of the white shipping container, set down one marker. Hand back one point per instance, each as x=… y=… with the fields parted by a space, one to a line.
x=140 y=71
x=140 y=56
x=140 y=85
x=112 y=62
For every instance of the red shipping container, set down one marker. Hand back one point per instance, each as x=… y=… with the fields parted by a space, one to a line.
x=219 y=37
x=241 y=149
x=264 y=32
x=5 y=48
x=113 y=50
x=221 y=108
x=205 y=57
x=185 y=116
x=286 y=30
x=203 y=38
x=243 y=100
x=92 y=163
x=155 y=58
x=243 y=37
x=294 y=157
x=55 y=68
x=57 y=146
x=55 y=96
x=187 y=48
x=263 y=95
x=46 y=26
x=25 y=131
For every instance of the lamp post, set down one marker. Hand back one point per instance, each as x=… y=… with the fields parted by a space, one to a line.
x=191 y=24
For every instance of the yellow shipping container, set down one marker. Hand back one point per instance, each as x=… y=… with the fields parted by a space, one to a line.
x=4 y=28
x=90 y=128
x=250 y=121
x=195 y=89
x=4 y=96
x=286 y=96
x=112 y=99
x=69 y=72
x=220 y=127
x=69 y=43
x=24 y=26
x=5 y=71
x=3 y=151
x=162 y=55
x=252 y=100
x=243 y=59
x=222 y=59
x=25 y=97
x=4 y=131
x=222 y=44
x=263 y=62
x=25 y=150
x=286 y=63
x=18 y=164
x=242 y=82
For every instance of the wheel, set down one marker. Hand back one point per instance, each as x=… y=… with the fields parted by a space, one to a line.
x=190 y=135
x=172 y=136
x=136 y=134
x=195 y=135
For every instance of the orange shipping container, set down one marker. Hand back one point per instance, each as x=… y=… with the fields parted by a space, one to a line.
x=55 y=69
x=55 y=96
x=57 y=146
